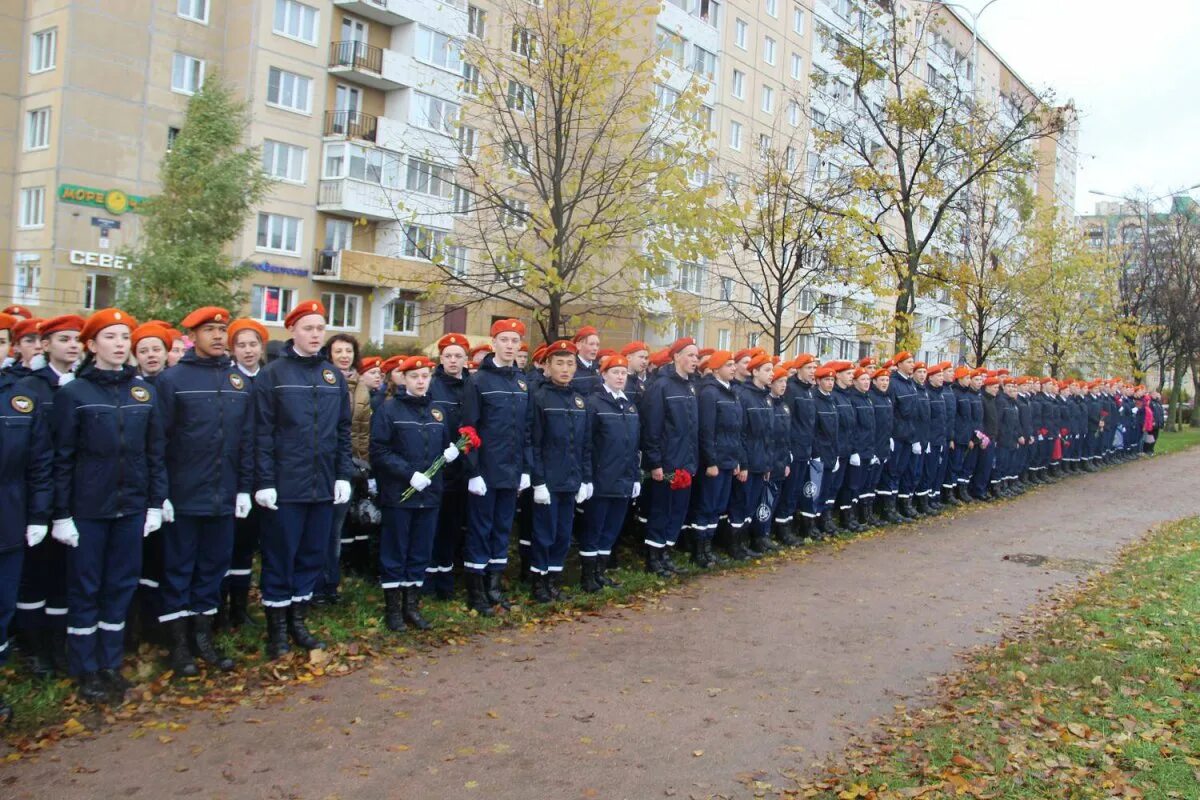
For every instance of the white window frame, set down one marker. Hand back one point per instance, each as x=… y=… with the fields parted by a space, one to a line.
x=287 y=301
x=476 y=21
x=413 y=313
x=27 y=271
x=32 y=213
x=793 y=113
x=737 y=86
x=295 y=158
x=43 y=47
x=735 y=135
x=773 y=8
x=37 y=129
x=191 y=70
x=797 y=67
x=431 y=44
x=769 y=50
x=448 y=113
x=520 y=98
x=741 y=32
x=423 y=243
x=422 y=176
x=768 y=100
x=298 y=81
x=187 y=9
x=343 y=302
x=272 y=220
x=724 y=336
x=798 y=20
x=294 y=15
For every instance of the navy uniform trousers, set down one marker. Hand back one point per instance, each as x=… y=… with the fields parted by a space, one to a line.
x=102 y=574
x=666 y=510
x=406 y=546
x=294 y=545
x=489 y=521
x=196 y=555
x=603 y=519
x=10 y=577
x=552 y=524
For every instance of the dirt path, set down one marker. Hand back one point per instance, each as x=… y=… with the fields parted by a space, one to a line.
x=737 y=673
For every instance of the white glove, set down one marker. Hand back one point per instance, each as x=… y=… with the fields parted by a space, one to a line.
x=816 y=461
x=241 y=505
x=928 y=447
x=637 y=491
x=855 y=460
x=874 y=459
x=372 y=486
x=419 y=482
x=524 y=482
x=64 y=531
x=267 y=498
x=34 y=534
x=1040 y=439
x=891 y=444
x=341 y=492
x=541 y=495
x=591 y=490
x=450 y=453
x=168 y=511
x=154 y=520
x=916 y=448
x=476 y=486
x=837 y=464
x=584 y=493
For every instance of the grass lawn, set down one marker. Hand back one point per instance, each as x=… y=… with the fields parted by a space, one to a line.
x=1101 y=700
x=1174 y=442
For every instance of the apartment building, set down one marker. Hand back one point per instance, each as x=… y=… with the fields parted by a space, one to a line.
x=354 y=103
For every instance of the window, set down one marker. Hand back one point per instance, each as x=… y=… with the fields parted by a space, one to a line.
x=28 y=277
x=284 y=161
x=735 y=135
x=752 y=339
x=773 y=7
x=723 y=337
x=741 y=30
x=427 y=244
x=295 y=21
x=673 y=45
x=99 y=291
x=793 y=113
x=797 y=19
x=704 y=117
x=769 y=50
x=342 y=309
x=438 y=49
x=522 y=42
x=797 y=66
x=41 y=50
x=289 y=91
x=454 y=259
x=764 y=144
x=187 y=73
x=462 y=200
x=768 y=99
x=360 y=163
x=428 y=178
x=471 y=77
x=691 y=277
x=33 y=207
x=704 y=63
x=404 y=316
x=516 y=154
x=665 y=98
x=476 y=21
x=271 y=303
x=466 y=141
x=790 y=158
x=37 y=129
x=739 y=84
x=520 y=96
x=195 y=10
x=514 y=213
x=172 y=135
x=339 y=234
x=726 y=289
x=808 y=301
x=280 y=234
x=433 y=113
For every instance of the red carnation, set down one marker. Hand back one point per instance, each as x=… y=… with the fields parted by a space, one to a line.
x=472 y=436
x=681 y=479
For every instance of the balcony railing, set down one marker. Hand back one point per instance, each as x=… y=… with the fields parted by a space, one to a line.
x=330 y=192
x=356 y=55
x=354 y=124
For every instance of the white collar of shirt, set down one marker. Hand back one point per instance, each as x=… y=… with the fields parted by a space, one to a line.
x=586 y=363
x=247 y=372
x=723 y=383
x=617 y=395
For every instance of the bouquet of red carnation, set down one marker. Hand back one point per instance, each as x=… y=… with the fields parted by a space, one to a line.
x=468 y=440
x=680 y=479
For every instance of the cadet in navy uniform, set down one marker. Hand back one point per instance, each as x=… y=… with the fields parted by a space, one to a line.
x=720 y=439
x=981 y=482
x=757 y=455
x=207 y=416
x=946 y=483
x=26 y=493
x=587 y=366
x=799 y=499
x=781 y=468
x=302 y=469
x=495 y=404
x=826 y=446
x=560 y=469
x=408 y=433
x=936 y=438
x=920 y=490
x=26 y=347
x=109 y=488
x=906 y=457
x=42 y=598
x=446 y=393
x=843 y=376
x=615 y=428
x=863 y=455
x=1007 y=444
x=881 y=404
x=638 y=355
x=670 y=417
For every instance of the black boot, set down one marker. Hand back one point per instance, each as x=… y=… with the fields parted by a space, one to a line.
x=298 y=627
x=933 y=502
x=412 y=608
x=890 y=515
x=277 y=638
x=828 y=524
x=239 y=607
x=667 y=563
x=602 y=565
x=948 y=497
x=180 y=659
x=865 y=516
x=58 y=649
x=495 y=589
x=747 y=543
x=116 y=685
x=785 y=533
x=91 y=689
x=477 y=598
x=654 y=561
x=205 y=647
x=805 y=529
x=41 y=660
x=556 y=585
x=908 y=509
x=589 y=580
x=921 y=504
x=393 y=613
x=541 y=588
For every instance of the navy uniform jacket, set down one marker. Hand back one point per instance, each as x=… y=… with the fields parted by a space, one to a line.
x=615 y=427
x=721 y=423
x=804 y=417
x=26 y=458
x=964 y=422
x=849 y=436
x=446 y=394
x=496 y=405
x=635 y=387
x=301 y=428
x=991 y=415
x=921 y=427
x=976 y=398
x=864 y=427
x=950 y=400
x=108 y=446
x=881 y=404
x=1093 y=403
x=937 y=414
x=1160 y=413
x=208 y=420
x=587 y=377
x=1025 y=411
x=41 y=385
x=903 y=392
x=757 y=428
x=825 y=442
x=408 y=433
x=781 y=437
x=1009 y=421
x=670 y=421
x=560 y=442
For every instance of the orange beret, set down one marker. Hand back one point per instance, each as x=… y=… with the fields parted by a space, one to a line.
x=613 y=361
x=66 y=322
x=941 y=366
x=758 y=360
x=247 y=324
x=26 y=327
x=390 y=364
x=1002 y=371
x=681 y=344
x=539 y=354
x=660 y=357
x=480 y=348
x=802 y=359
x=780 y=372
x=7 y=321
x=633 y=347
x=451 y=340
x=149 y=331
x=508 y=326
x=18 y=311
x=901 y=357
x=840 y=366
x=103 y=319
x=825 y=372
x=707 y=351
x=205 y=315
x=866 y=362
x=719 y=358
x=560 y=347
x=882 y=372
x=367 y=363
x=1049 y=380
x=858 y=373
x=606 y=352
x=416 y=362
x=891 y=362
x=919 y=365
x=747 y=352
x=963 y=372
x=992 y=381
x=584 y=332
x=303 y=310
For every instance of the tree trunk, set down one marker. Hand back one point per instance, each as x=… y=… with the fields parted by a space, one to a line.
x=903 y=315
x=1176 y=415
x=1195 y=421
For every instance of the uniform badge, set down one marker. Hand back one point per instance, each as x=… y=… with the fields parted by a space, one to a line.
x=21 y=403
x=578 y=401
x=437 y=414
x=632 y=409
x=692 y=389
x=787 y=410
x=810 y=489
x=237 y=382
x=327 y=374
x=140 y=393
x=521 y=383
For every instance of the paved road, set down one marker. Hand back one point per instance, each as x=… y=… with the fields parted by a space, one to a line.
x=735 y=673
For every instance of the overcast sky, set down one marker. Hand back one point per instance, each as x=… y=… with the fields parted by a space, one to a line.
x=1133 y=70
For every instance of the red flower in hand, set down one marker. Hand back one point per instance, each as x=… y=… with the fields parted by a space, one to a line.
x=681 y=479
x=472 y=436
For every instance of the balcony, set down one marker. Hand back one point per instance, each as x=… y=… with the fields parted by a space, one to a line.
x=351 y=125
x=349 y=197
x=381 y=11
x=356 y=268
x=365 y=64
